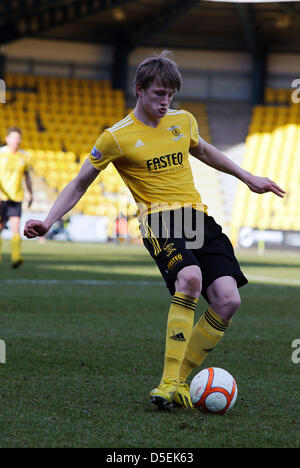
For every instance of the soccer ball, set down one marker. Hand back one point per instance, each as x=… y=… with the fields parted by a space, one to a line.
x=213 y=390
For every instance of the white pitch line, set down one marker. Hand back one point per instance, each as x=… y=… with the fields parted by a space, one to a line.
x=260 y=279
x=267 y=279
x=83 y=282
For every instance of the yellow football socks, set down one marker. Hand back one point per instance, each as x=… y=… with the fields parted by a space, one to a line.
x=15 y=248
x=179 y=328
x=206 y=334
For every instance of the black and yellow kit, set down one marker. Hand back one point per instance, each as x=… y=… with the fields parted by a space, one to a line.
x=154 y=164
x=215 y=256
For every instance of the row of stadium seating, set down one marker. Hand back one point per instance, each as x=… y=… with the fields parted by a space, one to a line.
x=27 y=81
x=279 y=96
x=272 y=150
x=58 y=168
x=268 y=118
x=60 y=113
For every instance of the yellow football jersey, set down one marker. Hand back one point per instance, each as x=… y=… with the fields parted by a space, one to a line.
x=12 y=169
x=153 y=162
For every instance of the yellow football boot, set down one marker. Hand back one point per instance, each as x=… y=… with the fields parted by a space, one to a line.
x=182 y=396
x=162 y=396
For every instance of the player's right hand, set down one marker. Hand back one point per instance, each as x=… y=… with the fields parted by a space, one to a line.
x=34 y=228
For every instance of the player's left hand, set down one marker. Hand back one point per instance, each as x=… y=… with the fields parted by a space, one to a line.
x=35 y=228
x=264 y=185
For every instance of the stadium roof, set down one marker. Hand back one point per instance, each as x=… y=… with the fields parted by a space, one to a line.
x=193 y=24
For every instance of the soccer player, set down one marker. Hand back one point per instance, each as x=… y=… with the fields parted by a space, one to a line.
x=150 y=149
x=13 y=167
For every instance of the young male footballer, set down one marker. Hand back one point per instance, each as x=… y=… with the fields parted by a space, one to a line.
x=14 y=167
x=150 y=149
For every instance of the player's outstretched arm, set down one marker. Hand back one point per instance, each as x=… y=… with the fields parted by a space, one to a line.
x=65 y=201
x=218 y=160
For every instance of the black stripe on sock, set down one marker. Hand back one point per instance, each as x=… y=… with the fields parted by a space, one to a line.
x=183 y=303
x=188 y=301
x=220 y=326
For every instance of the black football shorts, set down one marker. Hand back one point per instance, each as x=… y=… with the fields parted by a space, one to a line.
x=9 y=209
x=169 y=243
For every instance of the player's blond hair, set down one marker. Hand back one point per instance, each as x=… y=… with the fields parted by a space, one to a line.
x=158 y=68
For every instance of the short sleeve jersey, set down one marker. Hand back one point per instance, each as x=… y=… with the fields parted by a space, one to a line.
x=153 y=162
x=12 y=169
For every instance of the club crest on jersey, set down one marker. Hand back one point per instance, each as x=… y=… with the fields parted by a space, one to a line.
x=96 y=153
x=169 y=249
x=176 y=132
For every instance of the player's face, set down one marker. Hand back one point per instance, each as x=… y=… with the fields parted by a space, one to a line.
x=156 y=99
x=13 y=141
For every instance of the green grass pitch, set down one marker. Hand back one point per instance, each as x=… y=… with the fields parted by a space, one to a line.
x=84 y=327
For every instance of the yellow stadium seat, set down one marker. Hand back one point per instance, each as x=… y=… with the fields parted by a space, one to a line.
x=270 y=95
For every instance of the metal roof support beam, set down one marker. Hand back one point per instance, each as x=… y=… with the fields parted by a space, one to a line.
x=142 y=34
x=258 y=47
x=2 y=66
x=167 y=15
x=20 y=21
x=120 y=66
x=259 y=77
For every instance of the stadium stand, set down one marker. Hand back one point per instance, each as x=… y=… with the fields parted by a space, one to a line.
x=59 y=124
x=272 y=149
x=60 y=119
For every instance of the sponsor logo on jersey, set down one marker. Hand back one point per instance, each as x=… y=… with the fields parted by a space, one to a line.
x=163 y=162
x=178 y=258
x=96 y=153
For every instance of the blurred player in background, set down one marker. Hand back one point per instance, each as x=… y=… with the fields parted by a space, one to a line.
x=14 y=167
x=150 y=149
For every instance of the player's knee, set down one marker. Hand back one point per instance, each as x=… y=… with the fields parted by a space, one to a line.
x=189 y=281
x=234 y=302
x=227 y=305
